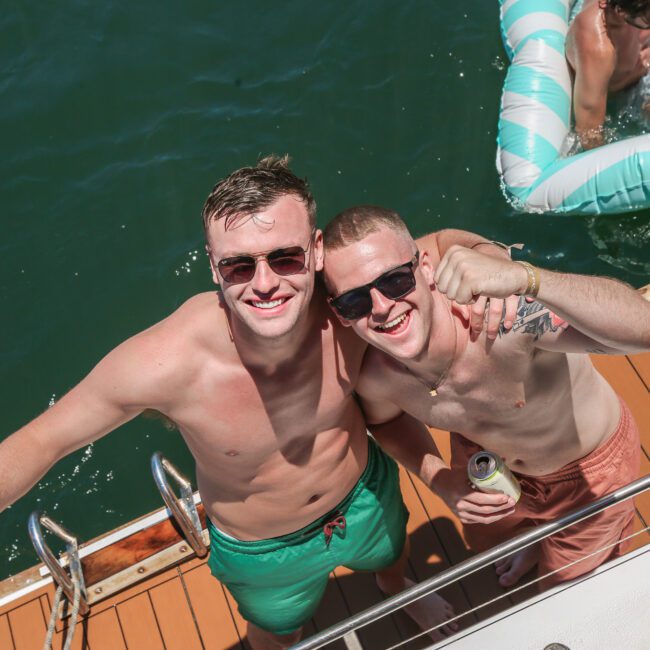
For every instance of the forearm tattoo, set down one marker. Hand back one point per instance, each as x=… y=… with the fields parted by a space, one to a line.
x=533 y=318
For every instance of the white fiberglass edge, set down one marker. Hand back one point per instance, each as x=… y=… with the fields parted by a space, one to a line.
x=606 y=609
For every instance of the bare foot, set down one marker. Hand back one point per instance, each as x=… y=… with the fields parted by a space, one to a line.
x=429 y=611
x=511 y=568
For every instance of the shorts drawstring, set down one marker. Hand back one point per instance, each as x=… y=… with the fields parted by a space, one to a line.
x=328 y=528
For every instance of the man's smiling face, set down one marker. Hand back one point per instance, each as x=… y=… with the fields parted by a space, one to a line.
x=400 y=327
x=269 y=304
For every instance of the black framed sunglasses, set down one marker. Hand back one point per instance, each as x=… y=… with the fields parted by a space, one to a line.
x=394 y=284
x=282 y=261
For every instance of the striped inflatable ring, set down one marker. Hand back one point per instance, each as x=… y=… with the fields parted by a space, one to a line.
x=535 y=119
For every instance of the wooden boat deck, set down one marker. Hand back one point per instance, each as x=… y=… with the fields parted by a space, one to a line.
x=185 y=608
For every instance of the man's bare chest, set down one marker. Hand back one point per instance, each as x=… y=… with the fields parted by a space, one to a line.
x=258 y=411
x=481 y=393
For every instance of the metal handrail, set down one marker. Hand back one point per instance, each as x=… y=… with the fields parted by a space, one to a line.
x=60 y=577
x=472 y=565
x=183 y=509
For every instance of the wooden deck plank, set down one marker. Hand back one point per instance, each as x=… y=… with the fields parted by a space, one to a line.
x=620 y=374
x=641 y=363
x=34 y=595
x=104 y=631
x=174 y=616
x=79 y=640
x=427 y=556
x=331 y=610
x=216 y=625
x=46 y=600
x=139 y=624
x=360 y=591
x=6 y=642
x=192 y=563
x=238 y=619
x=28 y=626
x=482 y=585
x=133 y=549
x=135 y=590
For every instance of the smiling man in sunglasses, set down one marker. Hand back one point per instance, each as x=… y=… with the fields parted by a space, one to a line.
x=553 y=419
x=259 y=378
x=607 y=47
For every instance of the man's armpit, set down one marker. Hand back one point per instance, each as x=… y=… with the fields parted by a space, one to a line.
x=536 y=319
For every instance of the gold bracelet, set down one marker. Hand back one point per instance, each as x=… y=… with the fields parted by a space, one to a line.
x=532 y=288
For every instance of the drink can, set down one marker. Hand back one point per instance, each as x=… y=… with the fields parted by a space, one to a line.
x=488 y=472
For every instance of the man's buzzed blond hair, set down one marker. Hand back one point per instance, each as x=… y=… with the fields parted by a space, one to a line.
x=356 y=223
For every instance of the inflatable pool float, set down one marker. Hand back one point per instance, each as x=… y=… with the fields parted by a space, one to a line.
x=535 y=119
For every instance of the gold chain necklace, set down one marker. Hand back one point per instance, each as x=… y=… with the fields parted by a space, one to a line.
x=433 y=388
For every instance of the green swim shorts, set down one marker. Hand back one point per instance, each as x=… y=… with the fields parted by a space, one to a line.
x=279 y=582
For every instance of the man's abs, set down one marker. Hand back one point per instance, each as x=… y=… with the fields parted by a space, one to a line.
x=562 y=418
x=282 y=494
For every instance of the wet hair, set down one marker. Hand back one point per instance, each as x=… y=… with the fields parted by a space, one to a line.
x=356 y=223
x=632 y=8
x=248 y=190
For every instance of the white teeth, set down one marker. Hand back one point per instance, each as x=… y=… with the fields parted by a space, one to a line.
x=268 y=304
x=392 y=323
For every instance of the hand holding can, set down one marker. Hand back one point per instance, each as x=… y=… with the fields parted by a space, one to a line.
x=487 y=471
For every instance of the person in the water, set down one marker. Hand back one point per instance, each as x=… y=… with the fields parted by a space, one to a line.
x=608 y=49
x=259 y=378
x=555 y=421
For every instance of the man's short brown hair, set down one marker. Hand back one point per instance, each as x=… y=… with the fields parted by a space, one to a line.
x=250 y=189
x=356 y=223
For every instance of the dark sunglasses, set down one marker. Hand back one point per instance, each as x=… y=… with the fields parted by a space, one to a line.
x=394 y=284
x=282 y=261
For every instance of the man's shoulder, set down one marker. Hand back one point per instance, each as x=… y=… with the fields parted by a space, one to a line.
x=378 y=374
x=207 y=304
x=588 y=36
x=203 y=313
x=175 y=343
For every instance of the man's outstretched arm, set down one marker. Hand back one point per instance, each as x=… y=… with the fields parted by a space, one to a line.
x=105 y=399
x=78 y=418
x=603 y=310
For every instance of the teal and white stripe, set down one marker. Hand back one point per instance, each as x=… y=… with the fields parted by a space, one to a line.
x=535 y=119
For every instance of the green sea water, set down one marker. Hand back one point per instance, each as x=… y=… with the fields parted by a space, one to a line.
x=117 y=119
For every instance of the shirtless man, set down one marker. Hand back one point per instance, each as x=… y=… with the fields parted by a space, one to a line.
x=607 y=49
x=259 y=378
x=556 y=422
